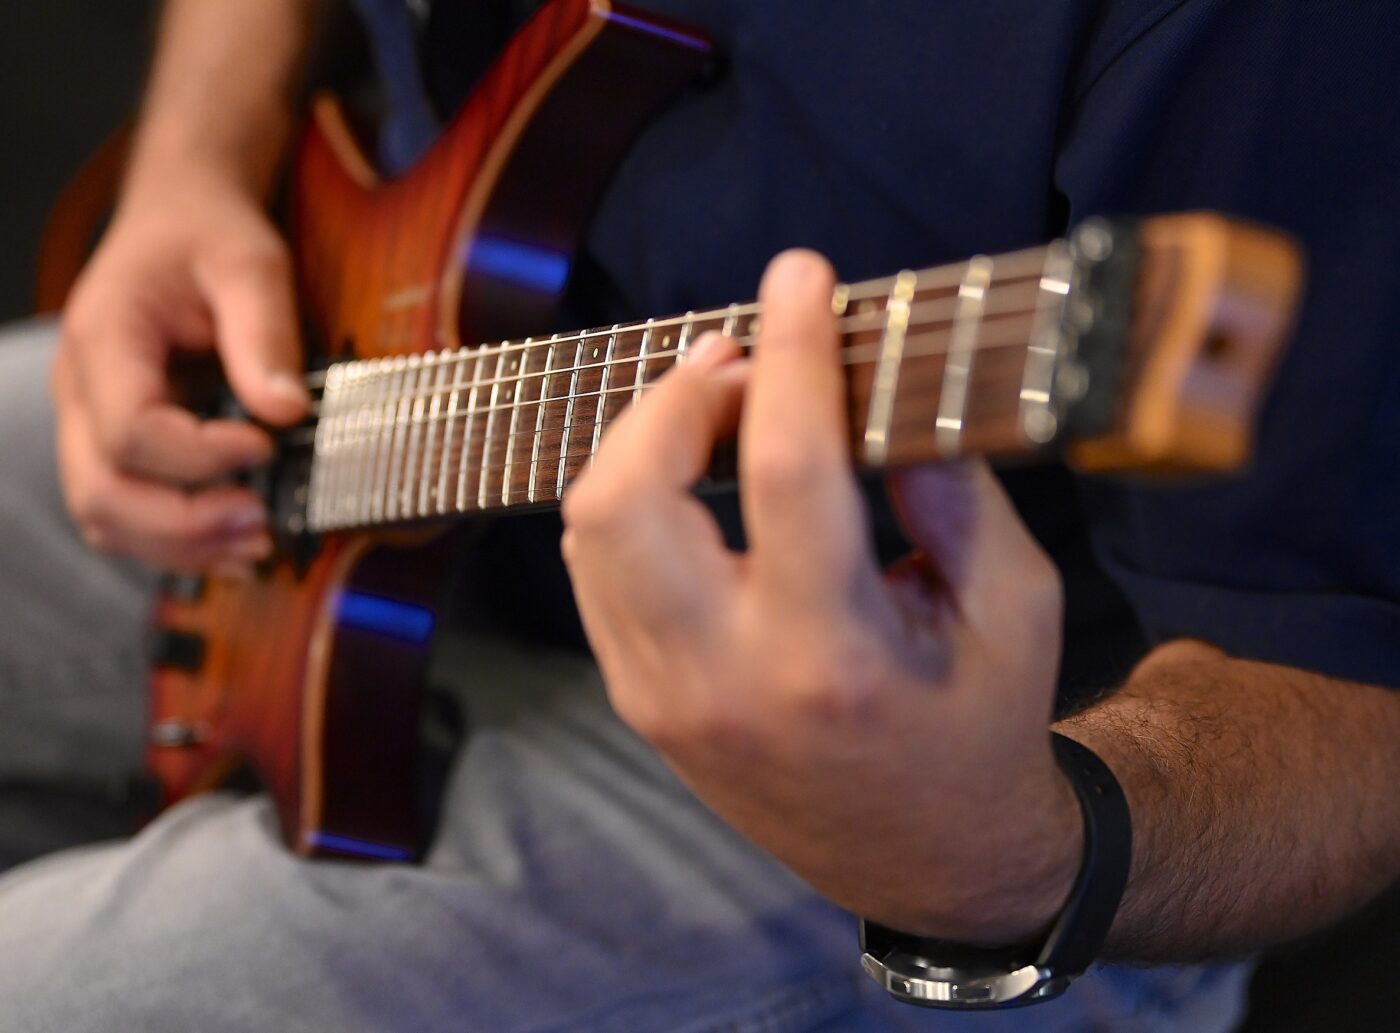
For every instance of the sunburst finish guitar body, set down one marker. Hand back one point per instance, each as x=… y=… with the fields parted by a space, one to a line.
x=312 y=670
x=1141 y=346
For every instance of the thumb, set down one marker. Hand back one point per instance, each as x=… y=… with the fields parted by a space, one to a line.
x=255 y=328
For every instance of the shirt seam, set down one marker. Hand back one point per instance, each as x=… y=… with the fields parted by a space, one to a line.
x=1130 y=37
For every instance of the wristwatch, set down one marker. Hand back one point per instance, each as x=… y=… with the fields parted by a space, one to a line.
x=942 y=974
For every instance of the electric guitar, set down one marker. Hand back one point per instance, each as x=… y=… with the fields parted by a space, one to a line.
x=1127 y=347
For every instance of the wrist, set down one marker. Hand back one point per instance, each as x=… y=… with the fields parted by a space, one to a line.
x=1004 y=874
x=173 y=158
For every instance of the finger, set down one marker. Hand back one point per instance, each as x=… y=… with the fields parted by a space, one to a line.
x=160 y=524
x=120 y=377
x=641 y=549
x=256 y=333
x=797 y=486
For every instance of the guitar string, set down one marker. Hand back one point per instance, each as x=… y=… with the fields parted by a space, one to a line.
x=500 y=477
x=392 y=405
x=397 y=365
x=851 y=355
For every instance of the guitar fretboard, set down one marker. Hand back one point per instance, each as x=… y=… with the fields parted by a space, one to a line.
x=946 y=362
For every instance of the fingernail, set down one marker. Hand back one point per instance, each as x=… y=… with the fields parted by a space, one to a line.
x=249 y=518
x=288 y=388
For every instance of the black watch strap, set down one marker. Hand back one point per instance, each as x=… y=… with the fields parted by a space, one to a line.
x=943 y=974
x=1083 y=923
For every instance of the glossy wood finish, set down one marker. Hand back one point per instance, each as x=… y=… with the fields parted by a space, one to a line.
x=1215 y=299
x=311 y=674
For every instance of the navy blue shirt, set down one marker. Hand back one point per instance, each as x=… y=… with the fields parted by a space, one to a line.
x=892 y=133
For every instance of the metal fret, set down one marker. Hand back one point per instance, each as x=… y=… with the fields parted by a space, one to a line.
x=321 y=446
x=334 y=452
x=411 y=469
x=377 y=384
x=1037 y=413
x=731 y=320
x=490 y=429
x=470 y=420
x=383 y=452
x=343 y=465
x=539 y=417
x=524 y=365
x=962 y=349
x=603 y=392
x=683 y=345
x=427 y=488
x=640 y=380
x=886 y=384
x=369 y=382
x=459 y=361
x=568 y=420
x=402 y=420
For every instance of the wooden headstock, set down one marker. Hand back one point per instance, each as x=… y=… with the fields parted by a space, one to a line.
x=1213 y=302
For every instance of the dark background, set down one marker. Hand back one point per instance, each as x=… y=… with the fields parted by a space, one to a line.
x=71 y=71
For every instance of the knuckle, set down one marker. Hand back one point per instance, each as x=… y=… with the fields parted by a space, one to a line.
x=838 y=682
x=592 y=506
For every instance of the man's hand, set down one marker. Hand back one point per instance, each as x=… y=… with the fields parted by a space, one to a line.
x=197 y=267
x=885 y=736
x=190 y=263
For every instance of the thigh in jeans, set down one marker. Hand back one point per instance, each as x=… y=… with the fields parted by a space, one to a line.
x=72 y=628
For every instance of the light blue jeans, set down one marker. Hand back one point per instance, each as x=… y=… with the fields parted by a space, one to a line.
x=574 y=885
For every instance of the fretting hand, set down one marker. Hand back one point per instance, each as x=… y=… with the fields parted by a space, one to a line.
x=886 y=736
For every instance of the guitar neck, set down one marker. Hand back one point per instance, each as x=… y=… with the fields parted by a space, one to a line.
x=999 y=356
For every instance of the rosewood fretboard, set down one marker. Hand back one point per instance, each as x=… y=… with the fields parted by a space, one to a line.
x=950 y=361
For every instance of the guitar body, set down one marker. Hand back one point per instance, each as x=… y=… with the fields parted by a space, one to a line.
x=311 y=671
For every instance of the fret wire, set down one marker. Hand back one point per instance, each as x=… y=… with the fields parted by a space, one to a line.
x=346 y=449
x=321 y=437
x=568 y=420
x=858 y=356
x=335 y=419
x=469 y=419
x=914 y=396
x=886 y=380
x=524 y=363
x=384 y=436
x=402 y=421
x=486 y=440
x=412 y=471
x=850 y=325
x=364 y=393
x=458 y=368
x=427 y=486
x=683 y=345
x=962 y=349
x=1037 y=417
x=910 y=353
x=539 y=418
x=603 y=391
x=640 y=377
x=364 y=423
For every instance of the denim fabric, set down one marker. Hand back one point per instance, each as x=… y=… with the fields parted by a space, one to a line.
x=575 y=884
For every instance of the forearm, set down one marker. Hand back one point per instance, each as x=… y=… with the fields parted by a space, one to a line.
x=221 y=95
x=1263 y=800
